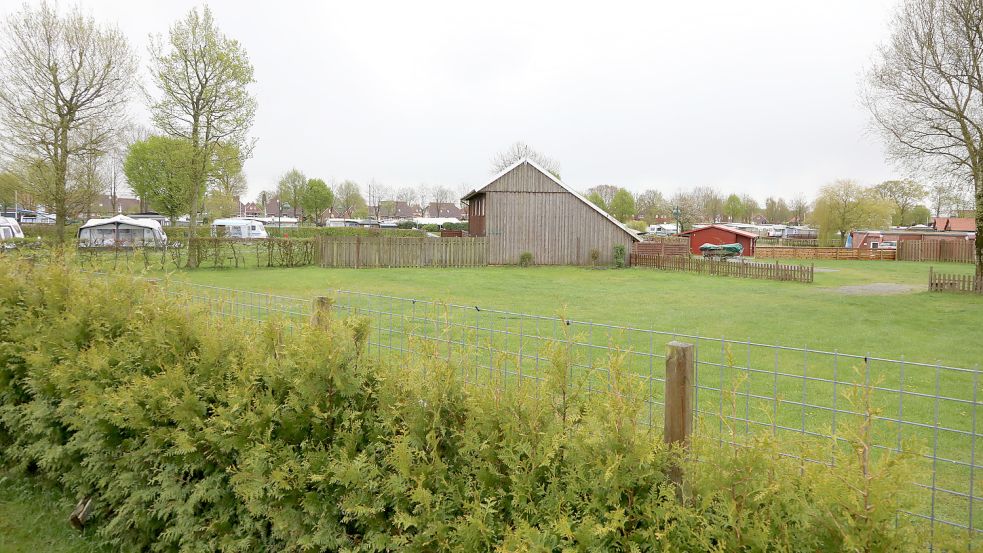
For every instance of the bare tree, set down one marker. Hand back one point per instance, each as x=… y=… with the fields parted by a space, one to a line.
x=800 y=208
x=441 y=195
x=925 y=92
x=374 y=194
x=605 y=192
x=201 y=76
x=409 y=195
x=424 y=195
x=519 y=151
x=710 y=203
x=58 y=76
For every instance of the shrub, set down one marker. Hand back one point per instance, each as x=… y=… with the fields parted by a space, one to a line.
x=196 y=433
x=619 y=256
x=525 y=259
x=640 y=226
x=595 y=257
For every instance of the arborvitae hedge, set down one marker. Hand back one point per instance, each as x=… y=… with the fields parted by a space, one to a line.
x=197 y=434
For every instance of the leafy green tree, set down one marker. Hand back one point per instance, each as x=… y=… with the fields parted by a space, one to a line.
x=918 y=215
x=844 y=205
x=904 y=194
x=317 y=197
x=291 y=188
x=597 y=200
x=161 y=170
x=349 y=201
x=734 y=208
x=622 y=206
x=10 y=187
x=777 y=210
x=202 y=77
x=751 y=207
x=225 y=174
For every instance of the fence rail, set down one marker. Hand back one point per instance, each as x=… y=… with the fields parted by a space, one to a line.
x=741 y=269
x=940 y=282
x=385 y=251
x=786 y=252
x=955 y=251
x=740 y=387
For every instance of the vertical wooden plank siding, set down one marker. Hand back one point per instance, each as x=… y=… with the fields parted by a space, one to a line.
x=526 y=211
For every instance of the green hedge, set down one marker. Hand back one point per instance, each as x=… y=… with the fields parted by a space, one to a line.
x=310 y=232
x=198 y=434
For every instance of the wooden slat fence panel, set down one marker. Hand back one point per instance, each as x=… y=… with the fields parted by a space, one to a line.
x=954 y=251
x=401 y=251
x=742 y=269
x=940 y=282
x=662 y=246
x=782 y=252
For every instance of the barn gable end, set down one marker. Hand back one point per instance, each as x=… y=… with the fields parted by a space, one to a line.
x=525 y=209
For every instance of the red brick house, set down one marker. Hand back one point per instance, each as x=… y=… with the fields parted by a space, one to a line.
x=719 y=234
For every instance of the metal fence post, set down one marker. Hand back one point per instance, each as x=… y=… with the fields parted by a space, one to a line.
x=680 y=383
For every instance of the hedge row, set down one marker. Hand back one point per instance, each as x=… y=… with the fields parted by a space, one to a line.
x=197 y=434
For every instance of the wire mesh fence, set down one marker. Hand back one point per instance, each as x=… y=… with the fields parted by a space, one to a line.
x=742 y=387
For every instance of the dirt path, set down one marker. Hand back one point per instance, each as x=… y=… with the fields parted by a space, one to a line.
x=878 y=289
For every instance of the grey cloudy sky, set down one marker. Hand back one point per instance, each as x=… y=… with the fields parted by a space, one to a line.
x=757 y=96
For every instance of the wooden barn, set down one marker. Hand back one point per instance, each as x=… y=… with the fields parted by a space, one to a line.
x=719 y=234
x=526 y=209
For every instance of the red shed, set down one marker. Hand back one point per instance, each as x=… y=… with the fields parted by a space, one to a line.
x=719 y=234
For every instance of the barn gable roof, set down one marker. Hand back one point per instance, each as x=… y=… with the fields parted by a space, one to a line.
x=552 y=177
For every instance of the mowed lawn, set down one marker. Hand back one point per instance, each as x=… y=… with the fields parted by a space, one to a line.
x=918 y=325
x=35 y=520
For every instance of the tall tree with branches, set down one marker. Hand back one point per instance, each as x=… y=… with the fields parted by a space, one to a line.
x=925 y=92
x=64 y=85
x=520 y=150
x=201 y=77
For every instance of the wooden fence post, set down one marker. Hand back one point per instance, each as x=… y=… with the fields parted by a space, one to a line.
x=322 y=311
x=680 y=383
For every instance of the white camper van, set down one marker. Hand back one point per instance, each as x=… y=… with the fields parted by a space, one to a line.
x=238 y=228
x=9 y=229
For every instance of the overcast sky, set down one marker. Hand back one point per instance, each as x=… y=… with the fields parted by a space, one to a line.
x=759 y=96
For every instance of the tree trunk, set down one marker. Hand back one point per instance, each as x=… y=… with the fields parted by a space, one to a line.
x=979 y=230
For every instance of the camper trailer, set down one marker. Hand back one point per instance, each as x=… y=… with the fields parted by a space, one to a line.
x=10 y=229
x=238 y=228
x=121 y=231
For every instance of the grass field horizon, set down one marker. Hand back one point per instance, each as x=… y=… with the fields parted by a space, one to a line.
x=826 y=315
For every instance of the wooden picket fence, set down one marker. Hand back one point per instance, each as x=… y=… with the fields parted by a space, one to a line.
x=955 y=251
x=777 y=252
x=401 y=251
x=668 y=245
x=740 y=269
x=939 y=282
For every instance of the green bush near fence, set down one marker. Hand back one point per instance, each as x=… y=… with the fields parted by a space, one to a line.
x=192 y=433
x=311 y=232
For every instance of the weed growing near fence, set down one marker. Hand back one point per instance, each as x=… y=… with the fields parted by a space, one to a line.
x=195 y=433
